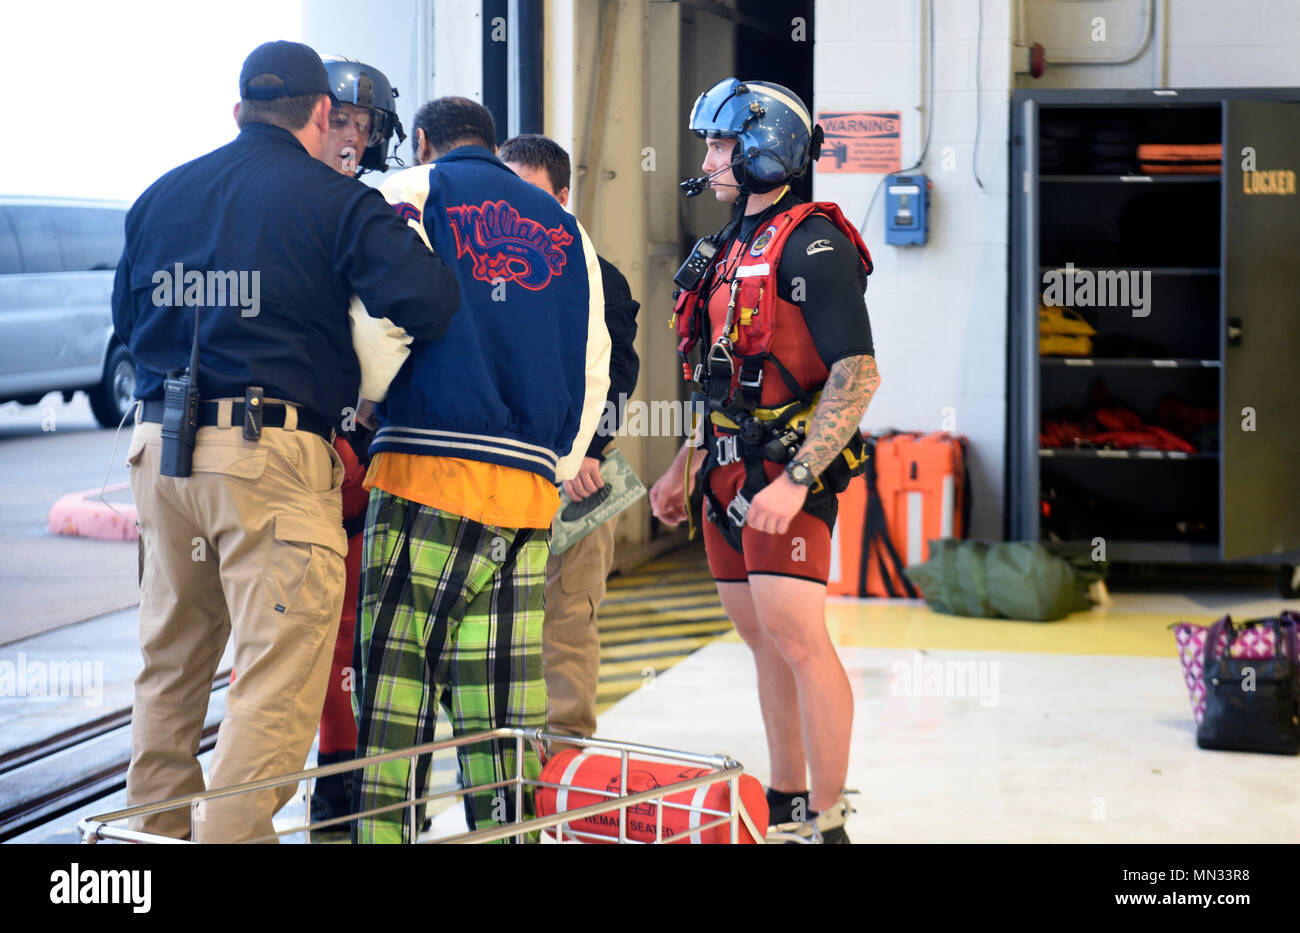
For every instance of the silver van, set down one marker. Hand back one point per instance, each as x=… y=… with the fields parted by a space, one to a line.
x=57 y=260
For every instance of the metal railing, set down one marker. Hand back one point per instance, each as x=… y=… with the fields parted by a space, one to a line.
x=722 y=769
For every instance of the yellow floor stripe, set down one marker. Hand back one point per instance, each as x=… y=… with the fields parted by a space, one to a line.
x=650 y=635
x=617 y=670
x=882 y=625
x=681 y=595
x=668 y=609
x=633 y=593
x=651 y=603
x=673 y=560
x=653 y=618
x=701 y=590
x=666 y=648
x=673 y=617
x=666 y=578
x=679 y=573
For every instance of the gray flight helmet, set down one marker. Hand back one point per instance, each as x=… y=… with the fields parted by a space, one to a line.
x=363 y=85
x=776 y=138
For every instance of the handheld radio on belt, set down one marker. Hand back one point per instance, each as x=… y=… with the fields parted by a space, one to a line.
x=180 y=424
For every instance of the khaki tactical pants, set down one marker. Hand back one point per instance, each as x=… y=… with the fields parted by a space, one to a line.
x=575 y=586
x=250 y=544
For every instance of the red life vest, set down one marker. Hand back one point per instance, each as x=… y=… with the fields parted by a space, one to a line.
x=775 y=357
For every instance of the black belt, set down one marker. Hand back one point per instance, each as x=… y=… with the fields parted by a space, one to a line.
x=272 y=416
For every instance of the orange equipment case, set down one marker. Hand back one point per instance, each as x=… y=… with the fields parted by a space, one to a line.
x=916 y=488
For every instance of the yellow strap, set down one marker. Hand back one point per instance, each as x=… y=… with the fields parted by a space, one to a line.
x=853 y=461
x=769 y=414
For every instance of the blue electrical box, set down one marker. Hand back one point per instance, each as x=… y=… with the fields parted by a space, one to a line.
x=907 y=210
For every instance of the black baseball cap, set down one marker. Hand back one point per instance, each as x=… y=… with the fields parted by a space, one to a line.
x=297 y=65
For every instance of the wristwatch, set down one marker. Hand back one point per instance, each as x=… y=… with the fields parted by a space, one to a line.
x=801 y=473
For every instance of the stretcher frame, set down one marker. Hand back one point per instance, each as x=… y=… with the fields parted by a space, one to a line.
x=93 y=829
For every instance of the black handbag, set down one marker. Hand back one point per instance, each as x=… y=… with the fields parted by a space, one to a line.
x=1253 y=704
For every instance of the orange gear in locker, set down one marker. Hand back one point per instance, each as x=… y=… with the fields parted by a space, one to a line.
x=916 y=489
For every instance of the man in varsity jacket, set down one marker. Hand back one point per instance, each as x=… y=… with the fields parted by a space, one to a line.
x=475 y=432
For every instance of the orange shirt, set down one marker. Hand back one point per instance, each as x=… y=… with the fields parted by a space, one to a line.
x=488 y=493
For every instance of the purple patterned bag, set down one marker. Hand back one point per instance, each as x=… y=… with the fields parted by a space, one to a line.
x=1255 y=640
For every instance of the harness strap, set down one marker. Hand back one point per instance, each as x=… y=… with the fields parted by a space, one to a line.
x=787 y=377
x=731 y=517
x=715 y=511
x=875 y=530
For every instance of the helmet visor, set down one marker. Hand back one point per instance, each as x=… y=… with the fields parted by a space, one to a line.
x=711 y=115
x=369 y=124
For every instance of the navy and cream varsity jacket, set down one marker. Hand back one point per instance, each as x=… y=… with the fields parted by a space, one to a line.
x=520 y=376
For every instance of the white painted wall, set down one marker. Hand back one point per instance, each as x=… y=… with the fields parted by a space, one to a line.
x=560 y=68
x=1209 y=43
x=938 y=312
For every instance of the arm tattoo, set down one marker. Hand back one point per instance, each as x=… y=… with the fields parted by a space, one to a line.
x=848 y=390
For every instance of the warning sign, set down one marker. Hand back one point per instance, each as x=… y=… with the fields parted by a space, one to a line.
x=861 y=141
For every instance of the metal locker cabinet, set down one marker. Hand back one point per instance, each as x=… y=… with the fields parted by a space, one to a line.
x=1248 y=258
x=1260 y=469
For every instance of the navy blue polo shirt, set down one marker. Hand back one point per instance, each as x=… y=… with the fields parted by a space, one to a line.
x=273 y=243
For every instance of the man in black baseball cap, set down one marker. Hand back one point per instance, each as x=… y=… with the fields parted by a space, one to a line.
x=285 y=84
x=277 y=372
x=298 y=67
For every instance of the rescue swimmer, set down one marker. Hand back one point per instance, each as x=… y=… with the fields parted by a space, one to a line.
x=775 y=339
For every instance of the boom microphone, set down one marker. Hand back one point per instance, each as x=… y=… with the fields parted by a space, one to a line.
x=694 y=186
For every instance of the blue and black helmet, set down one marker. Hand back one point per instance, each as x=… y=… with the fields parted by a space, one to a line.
x=775 y=133
x=366 y=86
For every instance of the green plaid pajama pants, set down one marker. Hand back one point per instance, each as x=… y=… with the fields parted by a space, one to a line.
x=450 y=611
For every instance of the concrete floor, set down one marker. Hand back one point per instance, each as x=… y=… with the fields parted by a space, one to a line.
x=54 y=580
x=975 y=731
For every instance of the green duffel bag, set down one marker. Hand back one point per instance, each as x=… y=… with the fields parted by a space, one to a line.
x=1007 y=579
x=953 y=580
